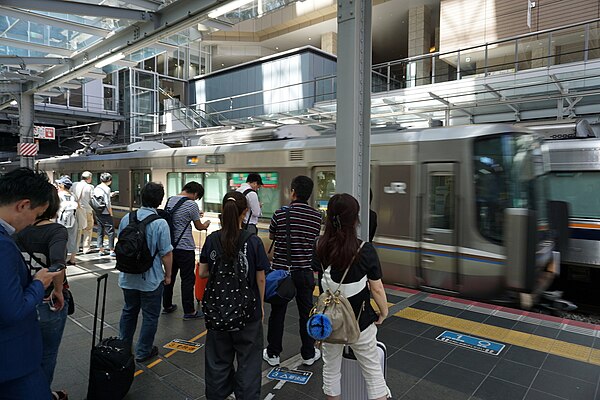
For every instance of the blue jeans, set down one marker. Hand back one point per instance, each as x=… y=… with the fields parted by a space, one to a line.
x=149 y=303
x=53 y=326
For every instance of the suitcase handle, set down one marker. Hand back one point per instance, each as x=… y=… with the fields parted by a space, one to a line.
x=101 y=278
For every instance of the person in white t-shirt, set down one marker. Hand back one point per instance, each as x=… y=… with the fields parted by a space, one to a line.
x=105 y=218
x=83 y=191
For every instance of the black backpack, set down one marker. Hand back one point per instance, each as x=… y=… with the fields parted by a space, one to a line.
x=98 y=204
x=228 y=300
x=133 y=254
x=167 y=215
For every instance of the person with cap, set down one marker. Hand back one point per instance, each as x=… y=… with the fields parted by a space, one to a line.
x=83 y=192
x=105 y=218
x=67 y=215
x=249 y=189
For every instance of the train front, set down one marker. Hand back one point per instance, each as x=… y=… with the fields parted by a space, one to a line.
x=512 y=211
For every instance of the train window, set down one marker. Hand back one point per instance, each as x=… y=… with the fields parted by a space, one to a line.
x=174 y=183
x=579 y=189
x=325 y=188
x=215 y=187
x=441 y=201
x=269 y=195
x=194 y=177
x=506 y=175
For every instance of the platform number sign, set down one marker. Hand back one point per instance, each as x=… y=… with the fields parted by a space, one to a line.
x=289 y=375
x=471 y=342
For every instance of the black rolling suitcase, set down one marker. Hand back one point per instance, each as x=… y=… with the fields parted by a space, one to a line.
x=354 y=386
x=111 y=362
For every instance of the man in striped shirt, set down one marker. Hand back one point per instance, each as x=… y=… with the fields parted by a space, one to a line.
x=304 y=227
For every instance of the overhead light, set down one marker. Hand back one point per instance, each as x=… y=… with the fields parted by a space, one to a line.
x=13 y=103
x=109 y=60
x=217 y=12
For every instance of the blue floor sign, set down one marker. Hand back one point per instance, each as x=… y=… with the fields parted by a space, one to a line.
x=471 y=342
x=289 y=375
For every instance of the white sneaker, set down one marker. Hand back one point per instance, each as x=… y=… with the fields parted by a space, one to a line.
x=311 y=361
x=272 y=361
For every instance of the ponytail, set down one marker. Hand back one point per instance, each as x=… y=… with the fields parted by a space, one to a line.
x=234 y=205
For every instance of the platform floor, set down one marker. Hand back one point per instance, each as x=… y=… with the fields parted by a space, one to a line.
x=543 y=358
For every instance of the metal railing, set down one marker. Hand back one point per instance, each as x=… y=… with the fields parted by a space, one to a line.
x=562 y=45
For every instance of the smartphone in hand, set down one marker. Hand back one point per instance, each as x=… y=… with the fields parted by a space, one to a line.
x=56 y=267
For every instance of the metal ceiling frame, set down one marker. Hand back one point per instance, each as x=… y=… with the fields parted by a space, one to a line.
x=24 y=61
x=57 y=22
x=76 y=8
x=4 y=41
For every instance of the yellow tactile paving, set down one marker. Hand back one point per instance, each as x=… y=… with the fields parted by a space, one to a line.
x=534 y=342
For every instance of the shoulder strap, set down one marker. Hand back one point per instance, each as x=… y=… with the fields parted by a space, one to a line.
x=172 y=211
x=248 y=191
x=288 y=244
x=133 y=219
x=348 y=269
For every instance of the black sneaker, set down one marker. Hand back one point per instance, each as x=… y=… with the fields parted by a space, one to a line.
x=170 y=309
x=153 y=353
x=194 y=315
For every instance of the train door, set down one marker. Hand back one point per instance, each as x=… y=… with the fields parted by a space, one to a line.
x=139 y=178
x=438 y=246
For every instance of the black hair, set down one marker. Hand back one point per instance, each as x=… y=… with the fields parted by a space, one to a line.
x=234 y=204
x=303 y=186
x=254 y=177
x=339 y=242
x=53 y=205
x=195 y=188
x=152 y=194
x=24 y=184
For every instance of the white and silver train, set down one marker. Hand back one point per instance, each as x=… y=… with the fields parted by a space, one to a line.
x=461 y=210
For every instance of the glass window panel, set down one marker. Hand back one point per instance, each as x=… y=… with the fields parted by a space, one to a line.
x=215 y=187
x=160 y=64
x=114 y=187
x=110 y=100
x=441 y=201
x=325 y=189
x=579 y=189
x=174 y=184
x=76 y=97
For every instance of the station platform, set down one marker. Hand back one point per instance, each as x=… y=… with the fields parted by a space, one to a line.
x=438 y=347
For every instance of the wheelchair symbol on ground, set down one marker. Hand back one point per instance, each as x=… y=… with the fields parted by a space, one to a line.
x=289 y=375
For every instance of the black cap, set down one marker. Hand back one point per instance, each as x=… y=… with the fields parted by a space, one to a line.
x=254 y=177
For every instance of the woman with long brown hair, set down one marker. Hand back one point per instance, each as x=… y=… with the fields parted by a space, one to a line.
x=231 y=247
x=337 y=250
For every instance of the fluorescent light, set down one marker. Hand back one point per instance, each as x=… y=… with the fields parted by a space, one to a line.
x=217 y=12
x=109 y=60
x=13 y=103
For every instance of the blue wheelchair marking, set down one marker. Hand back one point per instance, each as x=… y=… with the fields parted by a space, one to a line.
x=471 y=342
x=289 y=375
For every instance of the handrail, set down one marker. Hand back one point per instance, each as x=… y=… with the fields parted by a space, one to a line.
x=499 y=41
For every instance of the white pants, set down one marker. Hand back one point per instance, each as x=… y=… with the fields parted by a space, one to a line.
x=365 y=350
x=87 y=232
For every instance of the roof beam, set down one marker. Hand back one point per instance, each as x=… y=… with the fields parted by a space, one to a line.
x=72 y=7
x=46 y=20
x=35 y=47
x=168 y=21
x=145 y=4
x=560 y=87
x=497 y=94
x=447 y=103
x=16 y=60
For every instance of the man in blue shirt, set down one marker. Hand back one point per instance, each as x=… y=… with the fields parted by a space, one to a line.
x=24 y=196
x=144 y=291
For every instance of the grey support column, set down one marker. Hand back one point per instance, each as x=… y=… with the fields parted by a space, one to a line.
x=353 y=137
x=26 y=125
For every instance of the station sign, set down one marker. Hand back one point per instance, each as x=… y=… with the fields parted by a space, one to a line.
x=183 y=345
x=44 y=132
x=270 y=179
x=471 y=342
x=290 y=375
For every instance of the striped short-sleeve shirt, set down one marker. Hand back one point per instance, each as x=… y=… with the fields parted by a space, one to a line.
x=305 y=226
x=182 y=219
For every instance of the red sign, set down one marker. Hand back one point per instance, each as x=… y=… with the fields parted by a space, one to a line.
x=28 y=149
x=44 y=132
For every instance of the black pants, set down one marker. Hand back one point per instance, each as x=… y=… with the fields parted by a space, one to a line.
x=184 y=261
x=304 y=281
x=222 y=348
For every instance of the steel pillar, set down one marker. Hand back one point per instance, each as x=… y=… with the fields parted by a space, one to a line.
x=26 y=125
x=353 y=137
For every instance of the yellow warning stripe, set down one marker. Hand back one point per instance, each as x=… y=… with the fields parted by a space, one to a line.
x=528 y=340
x=169 y=354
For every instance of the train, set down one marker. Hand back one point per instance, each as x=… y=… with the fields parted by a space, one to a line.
x=461 y=210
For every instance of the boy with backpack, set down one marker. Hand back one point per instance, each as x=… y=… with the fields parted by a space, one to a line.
x=179 y=211
x=143 y=248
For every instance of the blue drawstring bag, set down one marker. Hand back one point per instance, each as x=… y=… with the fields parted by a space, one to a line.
x=319 y=326
x=279 y=287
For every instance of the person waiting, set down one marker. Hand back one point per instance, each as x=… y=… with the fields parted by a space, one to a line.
x=250 y=190
x=105 y=217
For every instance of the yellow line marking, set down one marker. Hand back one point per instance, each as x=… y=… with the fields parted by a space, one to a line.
x=169 y=354
x=535 y=342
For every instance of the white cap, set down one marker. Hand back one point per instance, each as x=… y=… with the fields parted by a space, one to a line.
x=86 y=174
